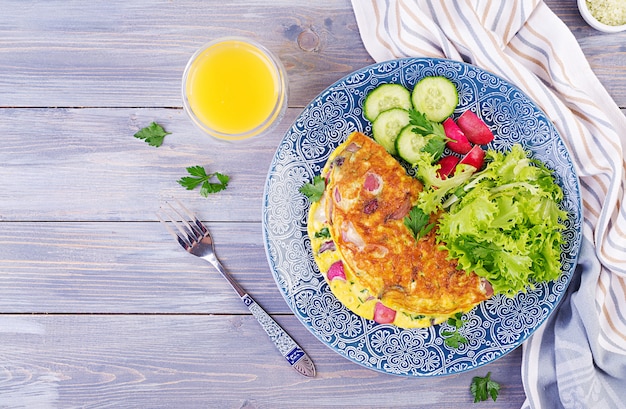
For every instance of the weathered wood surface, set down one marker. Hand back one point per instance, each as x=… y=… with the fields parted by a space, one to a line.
x=200 y=361
x=132 y=54
x=120 y=268
x=75 y=164
x=98 y=305
x=120 y=54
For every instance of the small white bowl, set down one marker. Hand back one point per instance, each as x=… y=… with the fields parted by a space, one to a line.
x=593 y=22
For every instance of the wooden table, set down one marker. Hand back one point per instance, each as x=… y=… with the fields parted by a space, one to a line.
x=98 y=305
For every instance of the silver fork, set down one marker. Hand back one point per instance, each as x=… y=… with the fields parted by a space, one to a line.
x=196 y=239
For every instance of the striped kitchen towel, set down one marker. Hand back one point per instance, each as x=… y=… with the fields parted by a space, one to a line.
x=578 y=357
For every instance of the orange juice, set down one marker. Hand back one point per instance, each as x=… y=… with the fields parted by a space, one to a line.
x=234 y=89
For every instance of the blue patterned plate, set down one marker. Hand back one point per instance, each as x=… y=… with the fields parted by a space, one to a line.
x=496 y=326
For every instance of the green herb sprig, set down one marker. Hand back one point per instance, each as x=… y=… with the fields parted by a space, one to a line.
x=454 y=339
x=153 y=134
x=433 y=131
x=315 y=190
x=199 y=177
x=418 y=222
x=483 y=387
x=324 y=233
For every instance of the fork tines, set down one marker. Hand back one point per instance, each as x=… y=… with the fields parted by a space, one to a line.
x=190 y=231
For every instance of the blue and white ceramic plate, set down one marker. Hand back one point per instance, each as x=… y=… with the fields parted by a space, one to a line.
x=496 y=326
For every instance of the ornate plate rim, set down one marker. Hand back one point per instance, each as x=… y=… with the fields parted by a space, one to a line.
x=575 y=228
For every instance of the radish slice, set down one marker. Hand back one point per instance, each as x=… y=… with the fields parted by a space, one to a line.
x=336 y=271
x=475 y=157
x=447 y=164
x=474 y=128
x=384 y=314
x=459 y=143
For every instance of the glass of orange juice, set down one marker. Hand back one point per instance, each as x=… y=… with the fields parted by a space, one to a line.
x=234 y=88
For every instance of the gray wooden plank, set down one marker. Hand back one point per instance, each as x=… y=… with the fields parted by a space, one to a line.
x=109 y=267
x=85 y=164
x=128 y=54
x=120 y=54
x=205 y=361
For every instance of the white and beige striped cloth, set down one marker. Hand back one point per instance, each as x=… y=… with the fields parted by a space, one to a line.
x=577 y=358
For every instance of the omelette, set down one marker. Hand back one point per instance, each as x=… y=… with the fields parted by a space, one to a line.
x=372 y=262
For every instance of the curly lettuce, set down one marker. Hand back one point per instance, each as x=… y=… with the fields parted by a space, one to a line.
x=505 y=223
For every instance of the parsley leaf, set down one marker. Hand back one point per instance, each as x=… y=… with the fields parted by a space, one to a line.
x=315 y=190
x=153 y=134
x=435 y=146
x=454 y=339
x=417 y=222
x=324 y=233
x=199 y=177
x=457 y=321
x=482 y=388
x=433 y=131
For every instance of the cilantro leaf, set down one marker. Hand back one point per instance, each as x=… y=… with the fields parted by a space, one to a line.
x=199 y=177
x=422 y=125
x=315 y=190
x=197 y=171
x=418 y=222
x=483 y=387
x=153 y=134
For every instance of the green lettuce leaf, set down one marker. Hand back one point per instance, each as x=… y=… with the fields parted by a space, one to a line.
x=505 y=223
x=437 y=189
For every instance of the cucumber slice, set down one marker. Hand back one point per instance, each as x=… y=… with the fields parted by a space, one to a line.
x=410 y=145
x=435 y=97
x=388 y=125
x=386 y=97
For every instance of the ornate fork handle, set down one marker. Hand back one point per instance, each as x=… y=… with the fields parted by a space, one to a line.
x=295 y=355
x=297 y=358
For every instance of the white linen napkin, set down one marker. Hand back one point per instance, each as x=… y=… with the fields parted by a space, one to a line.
x=578 y=357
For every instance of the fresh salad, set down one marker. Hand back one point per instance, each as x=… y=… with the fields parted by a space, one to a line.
x=499 y=211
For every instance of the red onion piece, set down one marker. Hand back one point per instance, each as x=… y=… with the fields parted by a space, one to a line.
x=327 y=246
x=337 y=195
x=487 y=286
x=350 y=235
x=401 y=211
x=353 y=147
